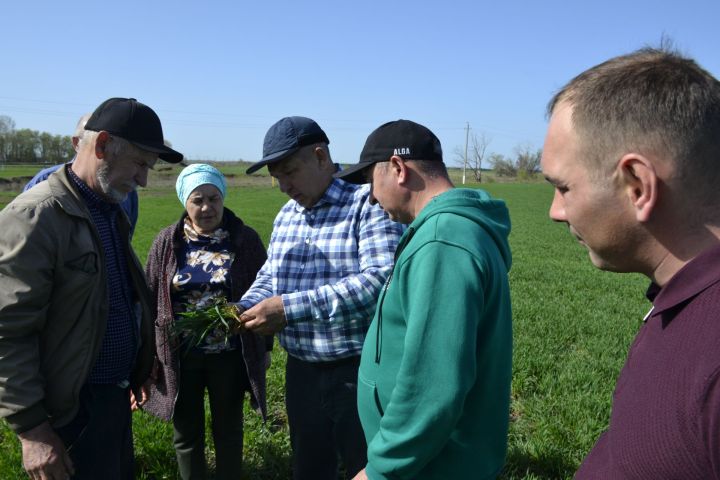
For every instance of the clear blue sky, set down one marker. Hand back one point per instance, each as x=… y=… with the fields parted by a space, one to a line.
x=219 y=73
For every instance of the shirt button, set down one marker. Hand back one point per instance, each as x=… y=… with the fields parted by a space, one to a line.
x=302 y=266
x=308 y=241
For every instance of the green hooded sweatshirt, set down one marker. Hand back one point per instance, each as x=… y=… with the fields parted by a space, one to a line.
x=434 y=380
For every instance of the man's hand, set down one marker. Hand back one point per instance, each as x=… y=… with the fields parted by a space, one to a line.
x=237 y=327
x=265 y=318
x=361 y=475
x=137 y=401
x=44 y=455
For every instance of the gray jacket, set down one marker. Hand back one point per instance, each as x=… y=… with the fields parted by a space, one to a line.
x=53 y=304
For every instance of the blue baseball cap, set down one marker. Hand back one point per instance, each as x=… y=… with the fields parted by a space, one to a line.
x=287 y=136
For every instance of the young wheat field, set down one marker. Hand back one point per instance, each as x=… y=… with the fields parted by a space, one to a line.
x=573 y=326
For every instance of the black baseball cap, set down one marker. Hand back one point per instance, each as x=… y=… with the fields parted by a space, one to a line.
x=287 y=136
x=403 y=138
x=135 y=122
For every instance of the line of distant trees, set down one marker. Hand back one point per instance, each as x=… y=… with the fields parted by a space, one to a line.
x=30 y=146
x=524 y=164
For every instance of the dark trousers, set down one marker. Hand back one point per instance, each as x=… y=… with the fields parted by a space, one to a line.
x=321 y=401
x=225 y=377
x=99 y=438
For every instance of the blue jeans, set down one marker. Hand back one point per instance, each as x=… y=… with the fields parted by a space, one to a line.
x=321 y=400
x=99 y=438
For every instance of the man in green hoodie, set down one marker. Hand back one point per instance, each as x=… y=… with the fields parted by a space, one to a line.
x=434 y=380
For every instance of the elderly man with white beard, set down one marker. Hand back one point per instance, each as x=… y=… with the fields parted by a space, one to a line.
x=76 y=332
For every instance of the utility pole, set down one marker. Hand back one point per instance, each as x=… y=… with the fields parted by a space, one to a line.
x=467 y=135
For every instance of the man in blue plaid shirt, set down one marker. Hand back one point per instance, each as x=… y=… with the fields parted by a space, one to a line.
x=329 y=255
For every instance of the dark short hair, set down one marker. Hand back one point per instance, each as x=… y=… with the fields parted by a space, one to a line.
x=649 y=101
x=431 y=168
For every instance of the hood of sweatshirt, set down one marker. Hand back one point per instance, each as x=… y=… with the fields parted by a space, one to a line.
x=476 y=205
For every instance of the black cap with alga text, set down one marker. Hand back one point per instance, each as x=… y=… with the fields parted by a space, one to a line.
x=135 y=122
x=403 y=138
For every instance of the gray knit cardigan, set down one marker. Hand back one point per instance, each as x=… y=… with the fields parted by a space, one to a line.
x=160 y=268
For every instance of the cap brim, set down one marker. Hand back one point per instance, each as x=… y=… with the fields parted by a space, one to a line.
x=164 y=152
x=355 y=174
x=272 y=158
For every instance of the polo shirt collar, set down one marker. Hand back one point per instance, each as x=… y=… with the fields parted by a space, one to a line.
x=697 y=275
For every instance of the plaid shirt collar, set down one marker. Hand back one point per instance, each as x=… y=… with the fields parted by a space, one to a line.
x=337 y=193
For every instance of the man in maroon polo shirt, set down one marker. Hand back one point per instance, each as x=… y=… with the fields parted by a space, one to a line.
x=633 y=151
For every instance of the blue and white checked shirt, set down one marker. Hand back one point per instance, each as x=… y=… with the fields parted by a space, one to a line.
x=328 y=263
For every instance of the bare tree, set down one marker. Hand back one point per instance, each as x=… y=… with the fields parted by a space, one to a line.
x=477 y=148
x=527 y=159
x=503 y=166
x=7 y=126
x=524 y=165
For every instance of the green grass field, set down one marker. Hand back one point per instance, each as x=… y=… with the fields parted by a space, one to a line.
x=10 y=171
x=572 y=327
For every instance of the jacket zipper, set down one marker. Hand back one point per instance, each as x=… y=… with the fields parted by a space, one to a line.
x=378 y=331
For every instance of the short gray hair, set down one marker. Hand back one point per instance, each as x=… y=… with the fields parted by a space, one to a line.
x=115 y=147
x=80 y=127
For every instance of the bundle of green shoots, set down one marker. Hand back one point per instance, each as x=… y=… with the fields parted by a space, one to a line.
x=193 y=326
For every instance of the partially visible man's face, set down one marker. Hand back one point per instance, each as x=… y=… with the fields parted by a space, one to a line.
x=118 y=175
x=593 y=210
x=302 y=177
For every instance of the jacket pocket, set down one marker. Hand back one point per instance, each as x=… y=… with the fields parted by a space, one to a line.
x=368 y=393
x=377 y=401
x=87 y=263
